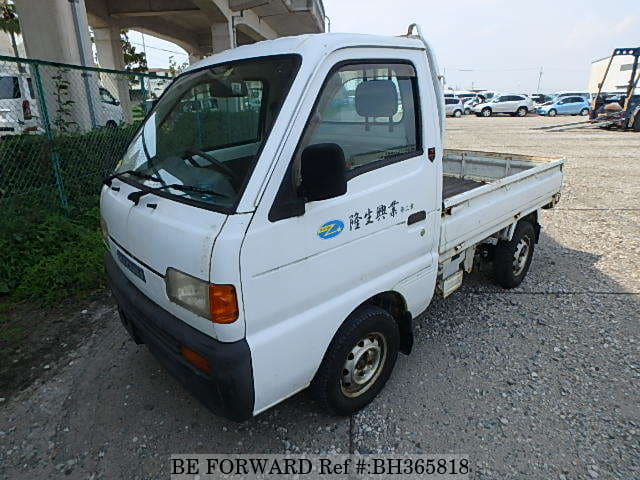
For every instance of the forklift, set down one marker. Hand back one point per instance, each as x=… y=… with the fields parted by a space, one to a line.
x=623 y=114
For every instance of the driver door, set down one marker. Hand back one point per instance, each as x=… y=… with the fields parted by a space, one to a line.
x=303 y=274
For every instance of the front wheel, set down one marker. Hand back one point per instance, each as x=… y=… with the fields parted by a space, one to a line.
x=552 y=113
x=358 y=362
x=513 y=258
x=486 y=112
x=457 y=113
x=636 y=123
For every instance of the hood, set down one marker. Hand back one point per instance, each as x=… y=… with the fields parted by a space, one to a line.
x=160 y=232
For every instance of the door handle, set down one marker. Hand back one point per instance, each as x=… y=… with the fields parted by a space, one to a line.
x=416 y=217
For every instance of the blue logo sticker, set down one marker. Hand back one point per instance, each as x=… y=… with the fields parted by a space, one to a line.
x=330 y=229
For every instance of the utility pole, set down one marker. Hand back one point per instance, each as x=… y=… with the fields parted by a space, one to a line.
x=539 y=80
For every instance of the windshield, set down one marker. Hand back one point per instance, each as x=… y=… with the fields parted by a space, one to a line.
x=208 y=129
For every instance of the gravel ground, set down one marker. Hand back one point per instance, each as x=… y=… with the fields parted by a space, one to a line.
x=541 y=382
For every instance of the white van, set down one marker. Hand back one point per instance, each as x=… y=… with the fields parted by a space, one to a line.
x=286 y=234
x=18 y=110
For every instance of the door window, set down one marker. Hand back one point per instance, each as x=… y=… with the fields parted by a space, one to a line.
x=371 y=111
x=106 y=97
x=9 y=88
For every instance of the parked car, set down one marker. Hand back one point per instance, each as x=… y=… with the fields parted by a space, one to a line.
x=469 y=103
x=18 y=111
x=565 y=106
x=541 y=98
x=514 y=105
x=453 y=107
x=571 y=94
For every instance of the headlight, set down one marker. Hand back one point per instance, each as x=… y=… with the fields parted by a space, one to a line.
x=218 y=303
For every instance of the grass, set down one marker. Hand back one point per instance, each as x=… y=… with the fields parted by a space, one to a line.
x=48 y=256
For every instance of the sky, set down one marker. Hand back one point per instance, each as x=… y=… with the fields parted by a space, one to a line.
x=498 y=45
x=502 y=44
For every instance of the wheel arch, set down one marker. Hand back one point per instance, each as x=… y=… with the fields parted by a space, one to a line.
x=395 y=304
x=532 y=218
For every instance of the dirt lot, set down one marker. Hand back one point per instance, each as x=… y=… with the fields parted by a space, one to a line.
x=542 y=382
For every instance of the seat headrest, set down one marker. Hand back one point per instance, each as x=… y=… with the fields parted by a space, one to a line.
x=376 y=98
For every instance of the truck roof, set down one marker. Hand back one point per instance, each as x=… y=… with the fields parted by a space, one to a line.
x=309 y=45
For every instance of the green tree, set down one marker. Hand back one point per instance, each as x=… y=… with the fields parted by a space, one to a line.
x=10 y=24
x=134 y=61
x=176 y=68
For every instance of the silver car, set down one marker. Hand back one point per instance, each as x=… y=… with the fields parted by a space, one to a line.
x=515 y=105
x=453 y=107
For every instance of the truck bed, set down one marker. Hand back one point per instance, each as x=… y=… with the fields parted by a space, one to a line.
x=484 y=192
x=452 y=186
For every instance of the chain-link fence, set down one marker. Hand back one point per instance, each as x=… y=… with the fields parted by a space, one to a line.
x=63 y=128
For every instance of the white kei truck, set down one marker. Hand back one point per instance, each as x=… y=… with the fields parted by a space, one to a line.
x=287 y=209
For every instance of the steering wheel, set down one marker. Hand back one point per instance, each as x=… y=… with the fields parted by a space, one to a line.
x=217 y=164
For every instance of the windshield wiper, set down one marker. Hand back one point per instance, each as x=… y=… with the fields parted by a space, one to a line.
x=135 y=196
x=107 y=181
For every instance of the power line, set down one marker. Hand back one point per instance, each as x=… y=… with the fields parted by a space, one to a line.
x=161 y=49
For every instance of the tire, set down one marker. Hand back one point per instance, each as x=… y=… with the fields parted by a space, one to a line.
x=370 y=333
x=636 y=123
x=467 y=111
x=522 y=112
x=552 y=113
x=486 y=112
x=457 y=113
x=584 y=112
x=511 y=262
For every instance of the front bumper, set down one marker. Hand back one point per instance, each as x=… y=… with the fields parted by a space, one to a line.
x=227 y=390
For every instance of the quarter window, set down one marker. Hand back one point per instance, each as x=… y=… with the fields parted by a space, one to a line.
x=370 y=111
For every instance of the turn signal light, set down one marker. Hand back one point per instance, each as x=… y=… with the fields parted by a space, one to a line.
x=195 y=359
x=223 y=303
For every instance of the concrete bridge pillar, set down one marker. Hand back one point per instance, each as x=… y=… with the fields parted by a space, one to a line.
x=58 y=31
x=222 y=36
x=110 y=55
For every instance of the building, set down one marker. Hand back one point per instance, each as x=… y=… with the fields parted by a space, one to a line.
x=618 y=77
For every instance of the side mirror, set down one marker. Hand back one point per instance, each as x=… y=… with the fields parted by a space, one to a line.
x=323 y=171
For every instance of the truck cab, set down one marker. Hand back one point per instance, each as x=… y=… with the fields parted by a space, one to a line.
x=279 y=218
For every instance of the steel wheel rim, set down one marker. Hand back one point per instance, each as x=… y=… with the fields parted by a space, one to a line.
x=521 y=255
x=363 y=364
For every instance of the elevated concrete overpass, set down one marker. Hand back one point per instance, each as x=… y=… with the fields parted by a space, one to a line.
x=58 y=31
x=51 y=29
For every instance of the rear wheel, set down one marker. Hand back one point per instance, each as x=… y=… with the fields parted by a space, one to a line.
x=358 y=362
x=584 y=112
x=522 y=112
x=513 y=258
x=486 y=112
x=636 y=123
